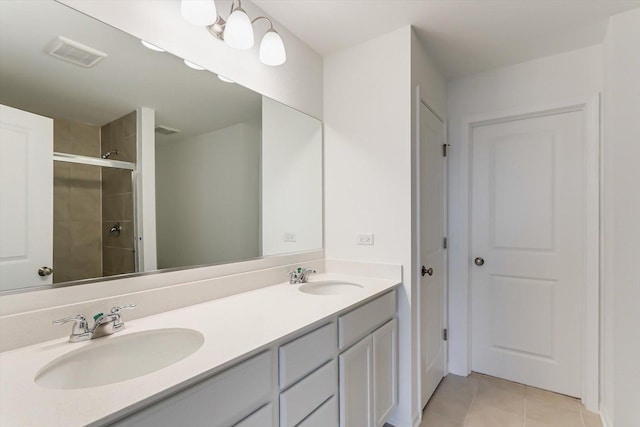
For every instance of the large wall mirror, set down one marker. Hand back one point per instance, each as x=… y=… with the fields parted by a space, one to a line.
x=92 y=119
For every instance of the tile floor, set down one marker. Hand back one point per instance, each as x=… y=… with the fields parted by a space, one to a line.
x=483 y=401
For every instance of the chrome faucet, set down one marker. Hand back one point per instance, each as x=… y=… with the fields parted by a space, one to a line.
x=103 y=324
x=300 y=275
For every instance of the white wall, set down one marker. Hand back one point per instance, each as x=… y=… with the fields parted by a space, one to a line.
x=367 y=112
x=368 y=96
x=539 y=83
x=297 y=83
x=208 y=206
x=621 y=229
x=291 y=179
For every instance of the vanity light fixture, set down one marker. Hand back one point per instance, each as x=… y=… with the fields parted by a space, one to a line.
x=193 y=65
x=237 y=30
x=151 y=46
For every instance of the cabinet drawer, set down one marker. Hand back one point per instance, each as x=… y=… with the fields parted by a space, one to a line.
x=307 y=353
x=307 y=395
x=263 y=417
x=324 y=416
x=362 y=321
x=219 y=401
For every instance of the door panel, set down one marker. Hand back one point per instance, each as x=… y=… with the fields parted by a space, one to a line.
x=432 y=253
x=528 y=224
x=26 y=198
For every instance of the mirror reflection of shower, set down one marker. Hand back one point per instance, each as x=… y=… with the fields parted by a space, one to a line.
x=93 y=219
x=109 y=153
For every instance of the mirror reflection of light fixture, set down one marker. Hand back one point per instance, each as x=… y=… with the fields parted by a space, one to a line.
x=237 y=30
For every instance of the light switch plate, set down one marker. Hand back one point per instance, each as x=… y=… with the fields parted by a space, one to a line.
x=365 y=238
x=289 y=236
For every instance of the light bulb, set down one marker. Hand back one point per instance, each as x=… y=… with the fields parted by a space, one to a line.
x=151 y=46
x=193 y=65
x=238 y=32
x=199 y=12
x=272 y=49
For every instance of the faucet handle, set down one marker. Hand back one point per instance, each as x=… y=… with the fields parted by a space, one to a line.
x=79 y=319
x=80 y=327
x=117 y=309
x=117 y=317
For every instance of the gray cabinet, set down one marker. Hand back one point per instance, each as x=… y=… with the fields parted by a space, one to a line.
x=356 y=385
x=220 y=401
x=303 y=382
x=369 y=368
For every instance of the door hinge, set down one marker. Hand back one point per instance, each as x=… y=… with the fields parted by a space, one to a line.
x=444 y=243
x=445 y=334
x=445 y=149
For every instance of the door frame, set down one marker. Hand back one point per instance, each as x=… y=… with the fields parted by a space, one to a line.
x=590 y=107
x=420 y=100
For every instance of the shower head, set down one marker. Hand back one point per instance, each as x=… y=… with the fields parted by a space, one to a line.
x=109 y=153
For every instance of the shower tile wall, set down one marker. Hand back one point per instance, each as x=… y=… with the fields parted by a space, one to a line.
x=77 y=235
x=118 y=256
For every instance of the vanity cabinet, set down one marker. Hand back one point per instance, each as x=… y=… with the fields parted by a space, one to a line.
x=368 y=369
x=229 y=398
x=341 y=373
x=308 y=376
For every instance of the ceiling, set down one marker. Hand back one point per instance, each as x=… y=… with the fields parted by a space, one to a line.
x=131 y=76
x=462 y=36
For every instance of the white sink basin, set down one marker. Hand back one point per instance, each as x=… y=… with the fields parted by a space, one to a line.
x=330 y=288
x=114 y=359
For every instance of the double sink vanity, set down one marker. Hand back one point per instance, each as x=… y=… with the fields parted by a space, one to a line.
x=321 y=353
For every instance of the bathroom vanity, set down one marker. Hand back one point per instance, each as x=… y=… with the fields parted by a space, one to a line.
x=277 y=356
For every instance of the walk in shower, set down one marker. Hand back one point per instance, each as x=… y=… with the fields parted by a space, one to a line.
x=93 y=199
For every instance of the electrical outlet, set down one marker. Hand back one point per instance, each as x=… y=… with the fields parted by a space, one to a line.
x=289 y=236
x=365 y=238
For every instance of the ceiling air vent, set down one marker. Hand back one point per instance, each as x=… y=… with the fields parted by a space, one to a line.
x=74 y=52
x=166 y=130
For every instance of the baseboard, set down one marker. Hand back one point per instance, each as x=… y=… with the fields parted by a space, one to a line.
x=605 y=420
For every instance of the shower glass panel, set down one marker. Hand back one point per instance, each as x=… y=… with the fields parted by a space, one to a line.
x=93 y=215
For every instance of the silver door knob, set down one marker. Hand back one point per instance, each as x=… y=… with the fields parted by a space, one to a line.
x=45 y=271
x=479 y=261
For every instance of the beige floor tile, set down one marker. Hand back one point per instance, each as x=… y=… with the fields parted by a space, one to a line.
x=493 y=417
x=466 y=387
x=590 y=419
x=449 y=406
x=534 y=423
x=432 y=419
x=498 y=398
x=553 y=399
x=486 y=381
x=554 y=417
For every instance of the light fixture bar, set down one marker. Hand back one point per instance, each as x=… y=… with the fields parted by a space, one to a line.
x=237 y=30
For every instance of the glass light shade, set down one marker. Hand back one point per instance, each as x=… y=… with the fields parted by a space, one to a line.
x=272 y=49
x=193 y=65
x=199 y=12
x=151 y=46
x=225 y=79
x=238 y=32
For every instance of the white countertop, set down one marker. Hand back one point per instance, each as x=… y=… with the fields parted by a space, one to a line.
x=233 y=327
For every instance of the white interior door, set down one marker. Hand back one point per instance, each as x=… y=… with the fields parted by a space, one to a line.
x=528 y=226
x=26 y=198
x=432 y=251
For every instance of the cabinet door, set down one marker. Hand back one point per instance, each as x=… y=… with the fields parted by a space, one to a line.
x=385 y=371
x=220 y=401
x=325 y=416
x=356 y=386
